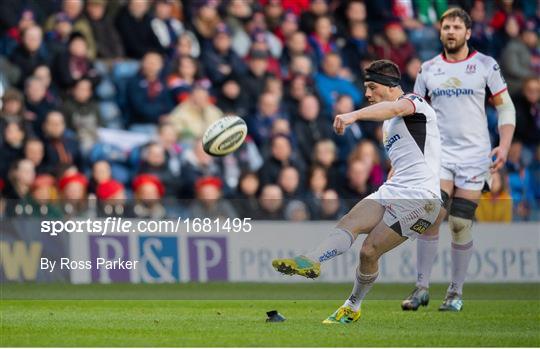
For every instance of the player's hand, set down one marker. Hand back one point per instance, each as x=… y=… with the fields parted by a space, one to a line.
x=500 y=154
x=341 y=121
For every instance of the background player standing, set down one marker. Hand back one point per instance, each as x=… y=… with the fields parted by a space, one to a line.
x=455 y=82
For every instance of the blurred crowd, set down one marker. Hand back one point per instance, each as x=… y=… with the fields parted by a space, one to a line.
x=108 y=101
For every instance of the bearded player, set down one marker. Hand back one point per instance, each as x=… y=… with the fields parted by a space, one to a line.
x=403 y=207
x=455 y=82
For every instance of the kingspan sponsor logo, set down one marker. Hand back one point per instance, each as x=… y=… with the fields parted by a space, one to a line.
x=452 y=88
x=453 y=92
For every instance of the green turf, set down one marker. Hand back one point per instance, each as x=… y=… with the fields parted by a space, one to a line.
x=494 y=315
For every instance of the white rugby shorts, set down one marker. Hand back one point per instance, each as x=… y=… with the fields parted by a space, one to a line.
x=408 y=211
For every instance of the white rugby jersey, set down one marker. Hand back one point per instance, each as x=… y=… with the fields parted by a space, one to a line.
x=413 y=146
x=457 y=92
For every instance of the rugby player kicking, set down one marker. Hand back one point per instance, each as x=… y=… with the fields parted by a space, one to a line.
x=455 y=82
x=403 y=207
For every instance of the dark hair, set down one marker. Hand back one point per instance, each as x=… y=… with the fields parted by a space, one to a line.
x=385 y=67
x=457 y=12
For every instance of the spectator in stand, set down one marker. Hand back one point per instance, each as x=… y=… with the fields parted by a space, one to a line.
x=30 y=53
x=197 y=164
x=297 y=88
x=134 y=26
x=301 y=65
x=296 y=45
x=34 y=151
x=74 y=193
x=12 y=105
x=411 y=71
x=325 y=156
x=271 y=203
x=101 y=172
x=273 y=13
x=296 y=211
x=260 y=123
x=330 y=84
x=321 y=40
x=209 y=201
x=254 y=80
x=308 y=18
x=74 y=64
x=37 y=106
x=168 y=138
x=534 y=167
x=193 y=116
x=12 y=37
x=245 y=201
x=528 y=113
x=112 y=198
x=43 y=73
x=82 y=114
x=58 y=36
x=20 y=177
x=73 y=10
x=155 y=162
x=149 y=100
x=310 y=126
x=108 y=41
x=347 y=15
x=184 y=75
x=368 y=152
x=495 y=205
x=149 y=191
x=255 y=28
x=11 y=148
x=281 y=155
x=516 y=55
x=187 y=45
x=317 y=183
x=288 y=26
x=481 y=32
x=289 y=182
x=356 y=47
x=357 y=186
x=394 y=45
x=205 y=22
x=61 y=148
x=231 y=100
x=166 y=28
x=43 y=197
x=259 y=42
x=220 y=61
x=520 y=182
x=331 y=206
x=353 y=134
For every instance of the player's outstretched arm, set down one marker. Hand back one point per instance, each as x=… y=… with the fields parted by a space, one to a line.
x=506 y=113
x=376 y=112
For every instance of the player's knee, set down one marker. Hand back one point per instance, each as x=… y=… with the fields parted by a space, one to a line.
x=461 y=219
x=368 y=253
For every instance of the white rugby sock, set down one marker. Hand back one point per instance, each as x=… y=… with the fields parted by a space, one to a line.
x=336 y=243
x=426 y=250
x=362 y=285
x=461 y=256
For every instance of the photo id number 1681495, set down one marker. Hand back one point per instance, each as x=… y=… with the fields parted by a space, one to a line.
x=209 y=225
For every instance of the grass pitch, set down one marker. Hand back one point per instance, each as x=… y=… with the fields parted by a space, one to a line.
x=219 y=314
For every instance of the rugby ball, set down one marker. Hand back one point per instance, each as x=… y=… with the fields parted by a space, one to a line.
x=224 y=136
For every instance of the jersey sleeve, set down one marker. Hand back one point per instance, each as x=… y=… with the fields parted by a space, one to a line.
x=420 y=84
x=417 y=101
x=495 y=79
